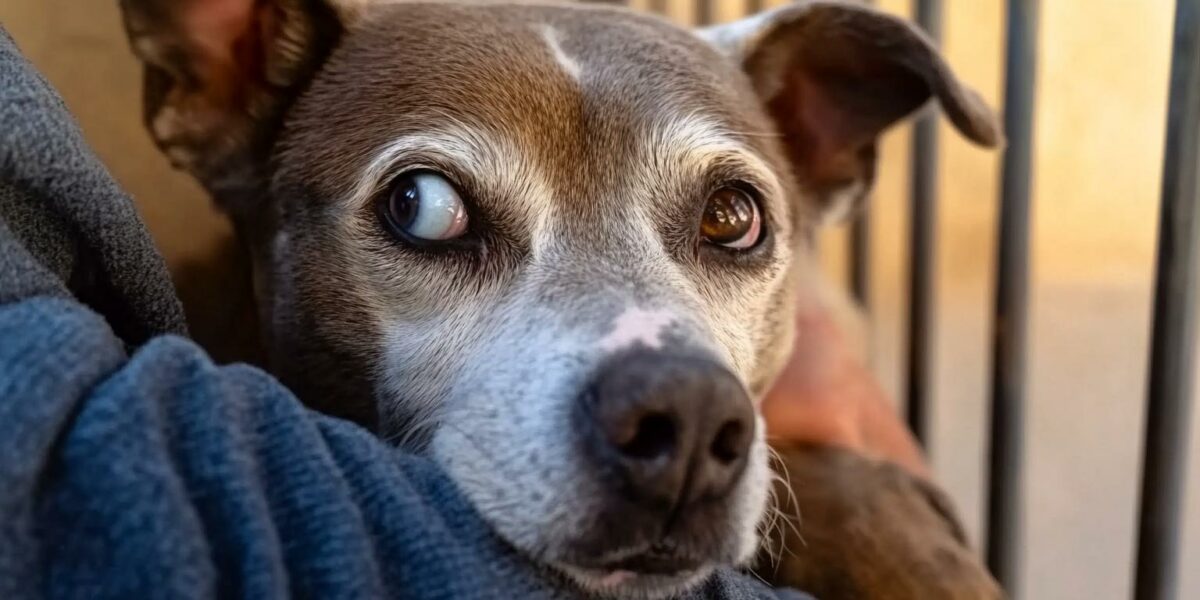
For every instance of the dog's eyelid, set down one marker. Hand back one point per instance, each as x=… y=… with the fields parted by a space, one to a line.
x=468 y=187
x=745 y=175
x=738 y=161
x=400 y=167
x=749 y=184
x=452 y=154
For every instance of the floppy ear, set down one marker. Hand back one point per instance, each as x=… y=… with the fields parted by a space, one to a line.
x=218 y=77
x=833 y=76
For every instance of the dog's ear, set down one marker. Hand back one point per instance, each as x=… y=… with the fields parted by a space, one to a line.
x=833 y=76
x=218 y=77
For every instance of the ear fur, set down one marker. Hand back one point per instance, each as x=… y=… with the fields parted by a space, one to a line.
x=219 y=75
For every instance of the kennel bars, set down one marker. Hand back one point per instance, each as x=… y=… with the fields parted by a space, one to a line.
x=1168 y=402
x=1169 y=393
x=922 y=245
x=1011 y=315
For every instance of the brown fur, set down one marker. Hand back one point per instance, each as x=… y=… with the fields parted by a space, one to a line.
x=869 y=530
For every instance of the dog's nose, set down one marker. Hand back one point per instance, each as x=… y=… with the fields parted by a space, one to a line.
x=672 y=429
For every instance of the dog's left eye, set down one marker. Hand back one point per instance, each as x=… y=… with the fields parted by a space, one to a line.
x=731 y=219
x=422 y=206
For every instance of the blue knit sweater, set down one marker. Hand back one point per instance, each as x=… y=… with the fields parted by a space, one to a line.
x=131 y=466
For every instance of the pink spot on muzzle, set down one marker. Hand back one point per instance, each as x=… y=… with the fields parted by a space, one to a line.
x=637 y=325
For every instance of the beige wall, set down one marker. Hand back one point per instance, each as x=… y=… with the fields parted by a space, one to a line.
x=81 y=49
x=1101 y=94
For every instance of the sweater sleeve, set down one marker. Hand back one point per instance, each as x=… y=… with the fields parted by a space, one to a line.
x=161 y=474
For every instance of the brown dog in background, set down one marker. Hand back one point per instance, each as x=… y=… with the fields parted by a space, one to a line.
x=556 y=247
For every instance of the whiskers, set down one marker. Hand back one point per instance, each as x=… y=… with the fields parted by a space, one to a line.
x=777 y=516
x=415 y=433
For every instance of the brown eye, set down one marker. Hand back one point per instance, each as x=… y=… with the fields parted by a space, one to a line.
x=731 y=219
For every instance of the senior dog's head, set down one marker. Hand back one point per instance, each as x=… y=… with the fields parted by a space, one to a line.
x=552 y=245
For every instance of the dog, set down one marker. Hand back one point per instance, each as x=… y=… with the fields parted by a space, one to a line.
x=553 y=246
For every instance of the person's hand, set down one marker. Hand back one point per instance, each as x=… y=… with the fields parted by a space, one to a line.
x=828 y=396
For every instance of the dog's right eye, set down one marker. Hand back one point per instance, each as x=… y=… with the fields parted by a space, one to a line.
x=731 y=220
x=423 y=207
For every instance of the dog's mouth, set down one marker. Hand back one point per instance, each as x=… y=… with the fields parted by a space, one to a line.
x=660 y=559
x=655 y=571
x=655 y=563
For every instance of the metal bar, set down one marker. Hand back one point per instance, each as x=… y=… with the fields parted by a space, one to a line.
x=755 y=6
x=659 y=7
x=1169 y=394
x=1004 y=511
x=859 y=259
x=705 y=12
x=923 y=248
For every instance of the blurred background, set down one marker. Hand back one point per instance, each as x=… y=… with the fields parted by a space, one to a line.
x=1101 y=106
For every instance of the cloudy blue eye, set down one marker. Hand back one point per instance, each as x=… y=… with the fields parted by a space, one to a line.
x=423 y=206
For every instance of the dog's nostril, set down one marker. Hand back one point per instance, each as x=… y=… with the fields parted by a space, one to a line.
x=655 y=437
x=728 y=444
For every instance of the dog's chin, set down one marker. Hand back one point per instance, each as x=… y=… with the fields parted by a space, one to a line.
x=638 y=562
x=634 y=584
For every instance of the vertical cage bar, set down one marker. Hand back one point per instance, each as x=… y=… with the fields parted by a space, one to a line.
x=705 y=11
x=859 y=259
x=1009 y=328
x=1168 y=401
x=923 y=247
x=858 y=255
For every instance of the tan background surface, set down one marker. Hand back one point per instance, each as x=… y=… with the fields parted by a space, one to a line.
x=1101 y=108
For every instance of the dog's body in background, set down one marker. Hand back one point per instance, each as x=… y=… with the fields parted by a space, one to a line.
x=554 y=246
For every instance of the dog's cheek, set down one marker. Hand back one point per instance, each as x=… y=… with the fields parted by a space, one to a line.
x=526 y=502
x=754 y=500
x=506 y=440
x=774 y=336
x=750 y=321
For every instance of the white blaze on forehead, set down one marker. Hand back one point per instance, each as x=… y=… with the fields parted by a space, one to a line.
x=568 y=64
x=637 y=325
